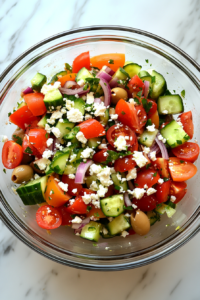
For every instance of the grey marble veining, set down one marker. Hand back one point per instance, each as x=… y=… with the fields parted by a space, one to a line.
x=23 y=273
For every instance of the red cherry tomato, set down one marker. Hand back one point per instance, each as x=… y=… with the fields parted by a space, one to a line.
x=66 y=216
x=12 y=155
x=134 y=147
x=87 y=191
x=148 y=177
x=146 y=203
x=91 y=129
x=127 y=113
x=33 y=125
x=188 y=151
x=178 y=189
x=124 y=164
x=153 y=108
x=81 y=61
x=72 y=185
x=163 y=191
x=135 y=85
x=186 y=120
x=141 y=115
x=38 y=138
x=48 y=217
x=114 y=132
x=28 y=148
x=181 y=170
x=35 y=102
x=22 y=117
x=100 y=156
x=161 y=165
x=78 y=207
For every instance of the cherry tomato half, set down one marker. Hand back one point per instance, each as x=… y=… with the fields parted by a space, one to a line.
x=72 y=185
x=181 y=170
x=148 y=177
x=38 y=138
x=188 y=151
x=12 y=155
x=186 y=120
x=48 y=217
x=82 y=60
x=146 y=203
x=161 y=165
x=163 y=191
x=114 y=132
x=78 y=207
x=124 y=164
x=91 y=128
x=127 y=113
x=135 y=85
x=178 y=189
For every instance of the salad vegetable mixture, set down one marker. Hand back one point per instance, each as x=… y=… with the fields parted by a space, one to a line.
x=98 y=149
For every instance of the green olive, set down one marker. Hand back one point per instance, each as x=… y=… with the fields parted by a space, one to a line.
x=117 y=94
x=22 y=173
x=140 y=222
x=18 y=135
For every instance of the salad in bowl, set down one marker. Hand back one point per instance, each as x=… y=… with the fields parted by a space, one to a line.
x=103 y=147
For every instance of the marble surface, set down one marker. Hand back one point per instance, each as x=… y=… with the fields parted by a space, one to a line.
x=25 y=274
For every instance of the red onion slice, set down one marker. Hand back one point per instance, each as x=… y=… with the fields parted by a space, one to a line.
x=103 y=75
x=127 y=200
x=163 y=148
x=78 y=227
x=28 y=90
x=69 y=84
x=97 y=100
x=109 y=71
x=107 y=91
x=113 y=83
x=81 y=170
x=146 y=88
x=78 y=91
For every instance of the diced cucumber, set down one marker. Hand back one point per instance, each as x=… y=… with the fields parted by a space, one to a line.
x=173 y=104
x=91 y=231
x=94 y=142
x=147 y=137
x=118 y=225
x=21 y=105
x=104 y=119
x=127 y=63
x=83 y=74
x=153 y=217
x=132 y=69
x=171 y=204
x=59 y=163
x=33 y=192
x=57 y=75
x=48 y=170
x=89 y=180
x=145 y=76
x=65 y=127
x=174 y=134
x=121 y=74
x=77 y=152
x=80 y=105
x=112 y=206
x=162 y=208
x=53 y=98
x=38 y=81
x=69 y=169
x=72 y=134
x=159 y=85
x=118 y=183
x=43 y=121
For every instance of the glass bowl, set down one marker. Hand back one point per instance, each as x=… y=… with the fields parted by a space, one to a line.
x=48 y=57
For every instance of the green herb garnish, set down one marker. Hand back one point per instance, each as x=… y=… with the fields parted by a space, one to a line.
x=111 y=61
x=28 y=150
x=18 y=140
x=183 y=93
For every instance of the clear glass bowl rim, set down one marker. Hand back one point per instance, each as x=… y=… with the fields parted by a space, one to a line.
x=118 y=262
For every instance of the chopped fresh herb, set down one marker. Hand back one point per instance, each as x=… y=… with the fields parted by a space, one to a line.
x=153 y=79
x=18 y=140
x=28 y=150
x=9 y=114
x=139 y=94
x=174 y=91
x=96 y=215
x=186 y=137
x=4 y=170
x=57 y=170
x=118 y=209
x=117 y=187
x=50 y=198
x=137 y=101
x=112 y=155
x=147 y=105
x=128 y=207
x=73 y=216
x=52 y=191
x=165 y=179
x=89 y=207
x=147 y=166
x=167 y=93
x=136 y=184
x=46 y=135
x=105 y=83
x=179 y=142
x=182 y=161
x=150 y=65
x=68 y=67
x=123 y=113
x=183 y=93
x=111 y=61
x=148 y=123
x=85 y=87
x=36 y=166
x=92 y=80
x=147 y=61
x=155 y=174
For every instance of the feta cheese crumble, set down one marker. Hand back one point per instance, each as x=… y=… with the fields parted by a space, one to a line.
x=114 y=116
x=120 y=143
x=63 y=186
x=87 y=153
x=81 y=138
x=132 y=174
x=47 y=154
x=76 y=220
x=151 y=128
x=165 y=112
x=138 y=193
x=74 y=115
x=146 y=150
x=99 y=109
x=42 y=163
x=69 y=104
x=161 y=138
x=71 y=176
x=49 y=88
x=139 y=158
x=90 y=98
x=102 y=191
x=152 y=155
x=172 y=198
x=56 y=132
x=124 y=233
x=160 y=180
x=151 y=191
x=74 y=191
x=49 y=142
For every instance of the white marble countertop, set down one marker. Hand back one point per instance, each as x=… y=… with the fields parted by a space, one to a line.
x=25 y=274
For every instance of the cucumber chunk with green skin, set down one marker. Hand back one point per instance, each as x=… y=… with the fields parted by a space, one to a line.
x=33 y=192
x=89 y=180
x=132 y=69
x=94 y=142
x=53 y=99
x=112 y=206
x=173 y=104
x=153 y=217
x=104 y=119
x=174 y=134
x=59 y=163
x=147 y=137
x=21 y=105
x=80 y=105
x=83 y=74
x=43 y=121
x=65 y=127
x=162 y=208
x=38 y=81
x=121 y=74
x=118 y=225
x=91 y=231
x=118 y=184
x=72 y=134
x=159 y=85
x=56 y=76
x=145 y=76
x=69 y=169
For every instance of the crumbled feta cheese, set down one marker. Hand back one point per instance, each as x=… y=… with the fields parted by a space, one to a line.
x=81 y=82
x=72 y=157
x=161 y=138
x=51 y=121
x=71 y=201
x=138 y=193
x=124 y=233
x=127 y=215
x=179 y=123
x=134 y=206
x=74 y=115
x=71 y=176
x=87 y=117
x=95 y=169
x=132 y=174
x=99 y=109
x=47 y=154
x=120 y=143
x=119 y=177
x=76 y=95
x=102 y=191
x=4 y=138
x=81 y=138
x=145 y=186
x=105 y=231
x=77 y=220
x=151 y=191
x=49 y=142
x=104 y=176
x=56 y=132
x=160 y=180
x=146 y=150
x=63 y=186
x=152 y=155
x=49 y=88
x=114 y=116
x=139 y=158
x=102 y=146
x=105 y=154
x=87 y=153
x=151 y=128
x=74 y=191
x=127 y=137
x=69 y=104
x=42 y=163
x=36 y=176
x=58 y=146
x=61 y=120
x=172 y=198
x=90 y=98
x=47 y=128
x=56 y=115
x=165 y=112
x=94 y=186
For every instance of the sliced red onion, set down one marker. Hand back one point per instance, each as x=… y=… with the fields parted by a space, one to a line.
x=69 y=84
x=153 y=148
x=114 y=82
x=127 y=200
x=81 y=170
x=103 y=75
x=97 y=100
x=107 y=91
x=78 y=227
x=78 y=91
x=163 y=148
x=146 y=88
x=130 y=185
x=109 y=71
x=28 y=90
